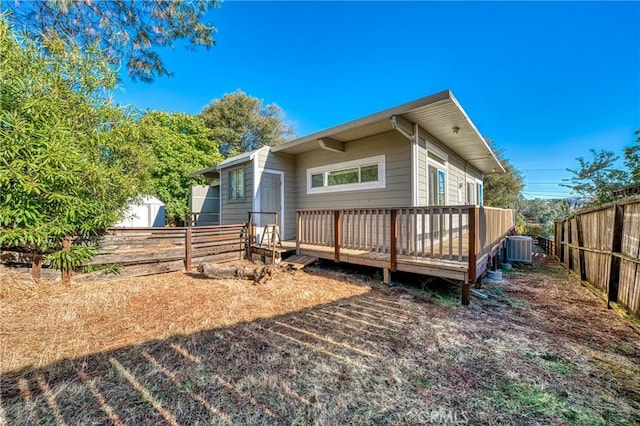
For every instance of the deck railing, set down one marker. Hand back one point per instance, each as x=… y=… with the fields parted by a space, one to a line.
x=460 y=233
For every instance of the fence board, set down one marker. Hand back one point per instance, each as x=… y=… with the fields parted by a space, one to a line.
x=611 y=249
x=146 y=251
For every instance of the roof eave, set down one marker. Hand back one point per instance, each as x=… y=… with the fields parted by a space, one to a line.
x=369 y=119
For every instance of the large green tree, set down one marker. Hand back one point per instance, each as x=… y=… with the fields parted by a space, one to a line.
x=502 y=189
x=632 y=159
x=181 y=143
x=66 y=166
x=596 y=179
x=129 y=32
x=241 y=123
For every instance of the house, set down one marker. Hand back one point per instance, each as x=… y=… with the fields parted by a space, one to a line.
x=425 y=156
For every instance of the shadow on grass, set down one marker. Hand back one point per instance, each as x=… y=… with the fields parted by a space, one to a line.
x=375 y=358
x=421 y=287
x=278 y=370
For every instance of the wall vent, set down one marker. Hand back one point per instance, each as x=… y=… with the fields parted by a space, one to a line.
x=519 y=249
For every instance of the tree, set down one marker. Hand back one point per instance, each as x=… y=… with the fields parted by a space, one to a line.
x=181 y=144
x=66 y=167
x=632 y=159
x=502 y=189
x=595 y=180
x=241 y=123
x=540 y=214
x=129 y=32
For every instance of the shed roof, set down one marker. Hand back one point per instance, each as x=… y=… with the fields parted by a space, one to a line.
x=438 y=114
x=229 y=162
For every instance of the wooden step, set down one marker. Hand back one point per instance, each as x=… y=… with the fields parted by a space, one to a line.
x=299 y=261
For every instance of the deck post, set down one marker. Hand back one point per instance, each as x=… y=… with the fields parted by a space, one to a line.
x=187 y=250
x=298 y=231
x=616 y=248
x=386 y=276
x=393 y=240
x=336 y=235
x=473 y=254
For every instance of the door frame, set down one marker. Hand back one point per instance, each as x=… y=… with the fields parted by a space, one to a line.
x=256 y=204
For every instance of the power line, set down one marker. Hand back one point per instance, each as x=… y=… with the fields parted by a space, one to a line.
x=544 y=183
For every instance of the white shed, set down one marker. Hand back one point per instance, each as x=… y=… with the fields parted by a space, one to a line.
x=146 y=213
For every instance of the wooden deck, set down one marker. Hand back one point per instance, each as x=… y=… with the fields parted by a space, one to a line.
x=455 y=242
x=445 y=268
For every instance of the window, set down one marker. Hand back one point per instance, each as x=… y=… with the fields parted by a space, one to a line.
x=437 y=177
x=365 y=173
x=437 y=186
x=474 y=192
x=471 y=193
x=236 y=184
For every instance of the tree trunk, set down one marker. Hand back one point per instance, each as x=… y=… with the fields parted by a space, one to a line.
x=36 y=266
x=66 y=273
x=259 y=275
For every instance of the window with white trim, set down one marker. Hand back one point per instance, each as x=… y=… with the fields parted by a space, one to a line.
x=471 y=193
x=236 y=184
x=364 y=173
x=437 y=171
x=475 y=196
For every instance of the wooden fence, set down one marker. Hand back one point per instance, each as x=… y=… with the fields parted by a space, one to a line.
x=602 y=246
x=546 y=244
x=146 y=251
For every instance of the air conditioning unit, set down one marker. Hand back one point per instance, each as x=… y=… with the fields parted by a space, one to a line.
x=519 y=249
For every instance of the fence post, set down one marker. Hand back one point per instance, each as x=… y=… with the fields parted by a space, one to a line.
x=616 y=248
x=581 y=264
x=36 y=266
x=556 y=239
x=570 y=258
x=393 y=239
x=66 y=273
x=336 y=235
x=187 y=250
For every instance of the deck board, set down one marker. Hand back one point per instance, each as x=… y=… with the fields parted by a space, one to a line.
x=419 y=265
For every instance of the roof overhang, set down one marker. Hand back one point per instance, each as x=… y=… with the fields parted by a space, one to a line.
x=214 y=171
x=440 y=115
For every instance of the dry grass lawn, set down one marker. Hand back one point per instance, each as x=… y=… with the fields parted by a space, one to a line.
x=316 y=347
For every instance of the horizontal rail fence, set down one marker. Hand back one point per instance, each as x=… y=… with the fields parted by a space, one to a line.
x=146 y=251
x=546 y=244
x=602 y=246
x=202 y=219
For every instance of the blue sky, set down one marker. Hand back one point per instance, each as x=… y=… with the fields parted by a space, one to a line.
x=546 y=81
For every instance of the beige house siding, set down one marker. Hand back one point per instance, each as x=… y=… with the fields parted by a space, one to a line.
x=287 y=164
x=235 y=211
x=458 y=171
x=397 y=192
x=422 y=172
